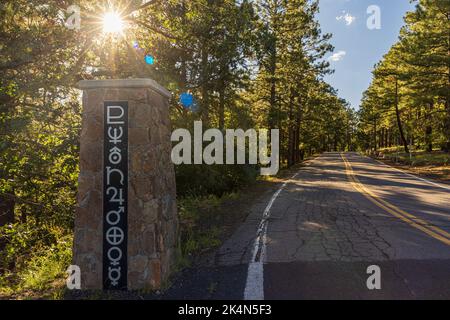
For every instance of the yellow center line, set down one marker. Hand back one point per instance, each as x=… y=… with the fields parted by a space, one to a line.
x=412 y=220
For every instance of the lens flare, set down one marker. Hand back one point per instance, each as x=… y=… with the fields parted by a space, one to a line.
x=150 y=60
x=187 y=100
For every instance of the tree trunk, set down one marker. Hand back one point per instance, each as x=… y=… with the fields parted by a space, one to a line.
x=273 y=123
x=386 y=138
x=429 y=130
x=6 y=210
x=222 y=107
x=399 y=120
x=291 y=133
x=446 y=147
x=375 y=135
x=205 y=86
x=299 y=155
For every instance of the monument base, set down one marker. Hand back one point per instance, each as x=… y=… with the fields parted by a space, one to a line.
x=126 y=219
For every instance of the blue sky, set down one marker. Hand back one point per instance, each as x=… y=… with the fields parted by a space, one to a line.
x=357 y=48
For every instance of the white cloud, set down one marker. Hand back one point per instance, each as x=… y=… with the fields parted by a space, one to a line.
x=348 y=18
x=338 y=56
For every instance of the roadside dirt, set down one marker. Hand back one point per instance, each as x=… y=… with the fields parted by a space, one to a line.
x=438 y=173
x=202 y=278
x=235 y=211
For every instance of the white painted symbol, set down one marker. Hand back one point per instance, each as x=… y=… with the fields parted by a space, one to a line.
x=115 y=155
x=117 y=195
x=114 y=236
x=114 y=215
x=115 y=119
x=115 y=134
x=109 y=173
x=114 y=255
x=114 y=275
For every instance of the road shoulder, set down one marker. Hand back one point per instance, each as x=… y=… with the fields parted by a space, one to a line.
x=438 y=174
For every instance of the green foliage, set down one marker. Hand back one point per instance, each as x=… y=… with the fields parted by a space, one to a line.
x=417 y=158
x=201 y=223
x=43 y=271
x=44 y=267
x=408 y=101
x=215 y=180
x=248 y=64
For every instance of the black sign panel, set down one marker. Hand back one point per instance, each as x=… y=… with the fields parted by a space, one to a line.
x=115 y=196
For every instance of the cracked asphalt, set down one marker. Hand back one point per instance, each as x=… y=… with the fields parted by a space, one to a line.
x=323 y=234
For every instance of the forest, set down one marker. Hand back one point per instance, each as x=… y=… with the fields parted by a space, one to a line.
x=248 y=64
x=408 y=101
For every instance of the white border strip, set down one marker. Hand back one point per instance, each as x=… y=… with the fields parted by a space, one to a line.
x=254 y=287
x=412 y=175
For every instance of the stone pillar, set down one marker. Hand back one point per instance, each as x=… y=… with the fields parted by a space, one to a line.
x=126 y=219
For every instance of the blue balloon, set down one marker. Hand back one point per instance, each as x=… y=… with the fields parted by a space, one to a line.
x=149 y=60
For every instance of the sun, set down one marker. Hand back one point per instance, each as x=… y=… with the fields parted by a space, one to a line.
x=113 y=22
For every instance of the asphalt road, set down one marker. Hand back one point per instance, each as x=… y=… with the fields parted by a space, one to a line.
x=315 y=237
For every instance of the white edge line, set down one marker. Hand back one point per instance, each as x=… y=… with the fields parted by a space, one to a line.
x=412 y=175
x=254 y=287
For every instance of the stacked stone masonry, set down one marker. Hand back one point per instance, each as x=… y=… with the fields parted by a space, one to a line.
x=152 y=210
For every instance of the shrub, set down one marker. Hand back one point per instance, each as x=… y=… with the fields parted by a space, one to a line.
x=201 y=180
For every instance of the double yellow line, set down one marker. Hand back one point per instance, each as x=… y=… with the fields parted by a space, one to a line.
x=412 y=220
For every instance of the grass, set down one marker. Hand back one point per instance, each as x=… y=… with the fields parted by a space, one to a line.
x=200 y=221
x=435 y=165
x=39 y=270
x=42 y=276
x=416 y=158
x=42 y=273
